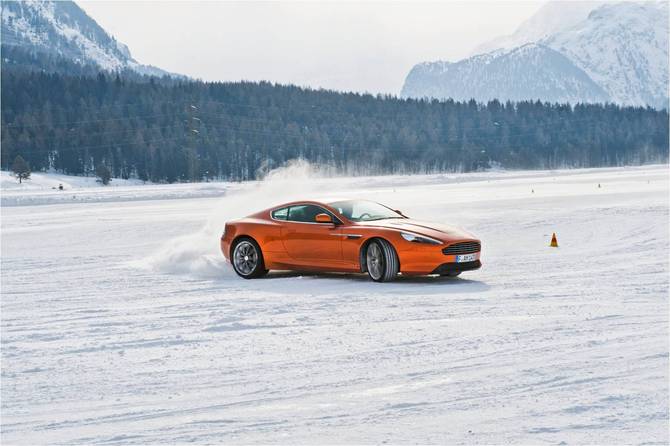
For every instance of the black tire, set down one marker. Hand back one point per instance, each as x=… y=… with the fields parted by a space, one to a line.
x=247 y=258
x=381 y=261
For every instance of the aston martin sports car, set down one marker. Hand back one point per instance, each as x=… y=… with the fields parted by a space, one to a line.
x=346 y=236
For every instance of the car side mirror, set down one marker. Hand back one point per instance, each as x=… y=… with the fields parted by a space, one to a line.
x=323 y=218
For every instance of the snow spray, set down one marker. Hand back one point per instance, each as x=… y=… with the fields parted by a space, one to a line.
x=199 y=254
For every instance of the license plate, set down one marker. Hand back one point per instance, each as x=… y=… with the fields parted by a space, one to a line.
x=467 y=258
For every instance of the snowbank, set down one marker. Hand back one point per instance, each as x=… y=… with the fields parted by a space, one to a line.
x=50 y=181
x=42 y=188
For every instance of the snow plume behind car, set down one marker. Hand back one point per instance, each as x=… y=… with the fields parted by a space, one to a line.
x=197 y=254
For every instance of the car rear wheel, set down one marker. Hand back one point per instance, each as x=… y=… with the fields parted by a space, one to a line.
x=247 y=259
x=381 y=261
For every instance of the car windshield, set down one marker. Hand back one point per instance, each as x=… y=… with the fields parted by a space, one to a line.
x=363 y=210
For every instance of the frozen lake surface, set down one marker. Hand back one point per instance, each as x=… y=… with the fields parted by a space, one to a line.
x=122 y=324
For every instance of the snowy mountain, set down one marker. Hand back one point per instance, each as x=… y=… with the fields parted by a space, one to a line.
x=61 y=28
x=621 y=48
x=624 y=48
x=549 y=19
x=530 y=71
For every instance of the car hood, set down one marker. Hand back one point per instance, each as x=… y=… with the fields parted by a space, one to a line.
x=436 y=230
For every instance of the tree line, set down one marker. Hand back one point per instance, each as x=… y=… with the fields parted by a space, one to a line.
x=168 y=130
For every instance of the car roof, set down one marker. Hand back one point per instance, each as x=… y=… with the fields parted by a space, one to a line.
x=334 y=200
x=320 y=201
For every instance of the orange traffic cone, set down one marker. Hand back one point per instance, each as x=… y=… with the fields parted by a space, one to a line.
x=554 y=242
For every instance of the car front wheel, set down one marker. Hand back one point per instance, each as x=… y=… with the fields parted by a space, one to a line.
x=247 y=259
x=381 y=261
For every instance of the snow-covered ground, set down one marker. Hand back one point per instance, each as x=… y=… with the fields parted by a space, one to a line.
x=44 y=188
x=121 y=323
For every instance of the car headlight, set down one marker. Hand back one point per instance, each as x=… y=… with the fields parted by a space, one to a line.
x=419 y=238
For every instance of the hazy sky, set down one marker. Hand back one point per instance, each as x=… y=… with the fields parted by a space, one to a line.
x=352 y=46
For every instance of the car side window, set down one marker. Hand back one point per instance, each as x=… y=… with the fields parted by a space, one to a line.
x=306 y=213
x=280 y=214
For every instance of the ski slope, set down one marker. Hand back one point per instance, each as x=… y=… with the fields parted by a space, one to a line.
x=121 y=323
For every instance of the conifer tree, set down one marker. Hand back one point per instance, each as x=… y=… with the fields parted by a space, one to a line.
x=21 y=168
x=103 y=173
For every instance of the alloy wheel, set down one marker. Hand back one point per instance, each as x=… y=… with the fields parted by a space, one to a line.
x=375 y=260
x=245 y=258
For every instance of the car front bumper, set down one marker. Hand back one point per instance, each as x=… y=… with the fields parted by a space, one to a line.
x=447 y=268
x=421 y=259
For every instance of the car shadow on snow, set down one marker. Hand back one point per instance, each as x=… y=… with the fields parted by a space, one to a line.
x=402 y=284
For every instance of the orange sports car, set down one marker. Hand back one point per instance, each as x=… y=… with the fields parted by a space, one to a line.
x=346 y=236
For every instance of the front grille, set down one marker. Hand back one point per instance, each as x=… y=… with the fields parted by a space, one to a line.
x=462 y=248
